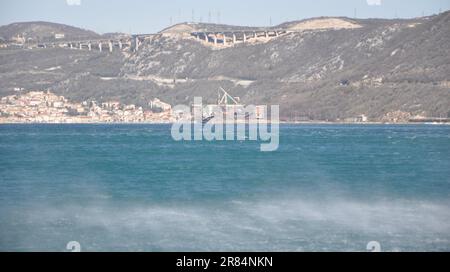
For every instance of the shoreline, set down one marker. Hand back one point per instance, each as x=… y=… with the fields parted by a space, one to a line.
x=170 y=123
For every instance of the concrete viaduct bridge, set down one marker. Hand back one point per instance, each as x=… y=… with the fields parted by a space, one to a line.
x=233 y=37
x=134 y=42
x=103 y=45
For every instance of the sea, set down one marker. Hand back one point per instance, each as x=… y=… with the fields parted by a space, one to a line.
x=133 y=188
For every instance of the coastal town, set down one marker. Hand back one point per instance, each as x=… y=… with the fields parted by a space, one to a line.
x=47 y=107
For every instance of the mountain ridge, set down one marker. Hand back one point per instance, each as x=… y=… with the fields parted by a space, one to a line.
x=384 y=66
x=38 y=31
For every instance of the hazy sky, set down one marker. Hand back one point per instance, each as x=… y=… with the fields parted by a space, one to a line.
x=149 y=16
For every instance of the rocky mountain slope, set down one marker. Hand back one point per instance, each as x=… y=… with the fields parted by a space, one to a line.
x=44 y=31
x=322 y=69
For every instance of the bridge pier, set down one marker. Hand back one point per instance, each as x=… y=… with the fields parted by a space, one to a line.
x=137 y=44
x=215 y=39
x=266 y=33
x=245 y=37
x=100 y=46
x=71 y=45
x=110 y=47
x=234 y=38
x=90 y=46
x=224 y=39
x=206 y=37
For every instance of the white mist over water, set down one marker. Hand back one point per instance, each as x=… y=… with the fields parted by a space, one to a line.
x=277 y=225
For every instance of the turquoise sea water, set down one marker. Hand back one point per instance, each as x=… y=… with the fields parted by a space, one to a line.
x=132 y=188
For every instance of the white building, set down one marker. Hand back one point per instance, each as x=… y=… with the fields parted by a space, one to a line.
x=159 y=105
x=59 y=36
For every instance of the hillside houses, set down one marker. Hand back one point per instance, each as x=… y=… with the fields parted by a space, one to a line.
x=46 y=107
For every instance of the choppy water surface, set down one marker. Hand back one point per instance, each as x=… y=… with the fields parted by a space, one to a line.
x=132 y=188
